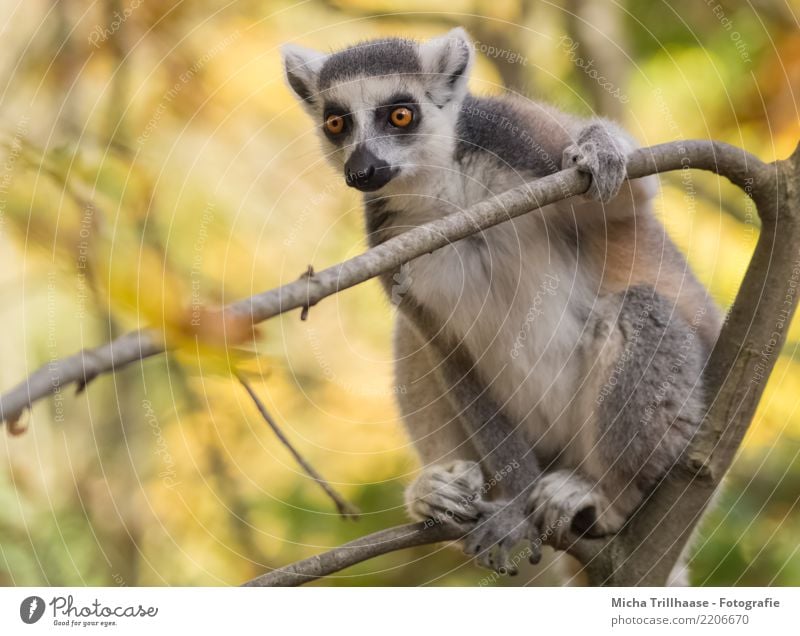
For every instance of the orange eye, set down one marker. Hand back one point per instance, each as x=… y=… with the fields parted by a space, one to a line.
x=401 y=117
x=334 y=124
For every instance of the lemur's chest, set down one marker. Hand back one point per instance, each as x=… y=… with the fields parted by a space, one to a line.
x=514 y=294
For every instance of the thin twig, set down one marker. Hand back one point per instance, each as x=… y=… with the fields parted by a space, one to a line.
x=346 y=510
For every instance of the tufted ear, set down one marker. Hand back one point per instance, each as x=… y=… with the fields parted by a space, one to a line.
x=302 y=67
x=446 y=61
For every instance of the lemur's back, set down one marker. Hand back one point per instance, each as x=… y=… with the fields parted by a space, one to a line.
x=521 y=135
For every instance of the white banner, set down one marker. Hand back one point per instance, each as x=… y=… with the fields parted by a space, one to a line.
x=401 y=611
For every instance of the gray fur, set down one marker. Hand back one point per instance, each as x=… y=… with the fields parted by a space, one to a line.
x=390 y=56
x=497 y=128
x=377 y=214
x=656 y=403
x=649 y=407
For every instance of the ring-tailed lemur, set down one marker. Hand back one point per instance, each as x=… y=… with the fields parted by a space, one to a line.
x=555 y=357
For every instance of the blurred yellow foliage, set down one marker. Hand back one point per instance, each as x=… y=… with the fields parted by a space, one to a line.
x=164 y=170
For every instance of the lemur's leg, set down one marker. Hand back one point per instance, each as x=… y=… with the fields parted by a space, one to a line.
x=648 y=402
x=432 y=422
x=507 y=463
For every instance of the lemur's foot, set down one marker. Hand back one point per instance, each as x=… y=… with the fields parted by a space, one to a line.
x=563 y=501
x=599 y=154
x=446 y=493
x=451 y=493
x=503 y=526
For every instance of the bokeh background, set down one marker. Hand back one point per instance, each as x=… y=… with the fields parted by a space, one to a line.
x=154 y=162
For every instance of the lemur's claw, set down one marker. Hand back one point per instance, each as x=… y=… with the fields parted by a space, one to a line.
x=496 y=534
x=447 y=493
x=599 y=154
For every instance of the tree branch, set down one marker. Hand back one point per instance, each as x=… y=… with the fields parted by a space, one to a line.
x=646 y=550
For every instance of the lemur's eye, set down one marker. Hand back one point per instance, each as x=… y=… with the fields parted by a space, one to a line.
x=401 y=117
x=334 y=124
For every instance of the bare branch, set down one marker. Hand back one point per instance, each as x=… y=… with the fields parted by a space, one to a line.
x=346 y=510
x=362 y=549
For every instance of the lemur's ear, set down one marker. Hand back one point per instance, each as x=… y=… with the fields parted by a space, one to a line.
x=447 y=60
x=302 y=67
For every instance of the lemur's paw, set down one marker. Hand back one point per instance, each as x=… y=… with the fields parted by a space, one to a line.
x=563 y=501
x=599 y=154
x=446 y=493
x=502 y=526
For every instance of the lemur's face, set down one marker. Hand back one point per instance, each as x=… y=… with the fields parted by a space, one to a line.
x=386 y=109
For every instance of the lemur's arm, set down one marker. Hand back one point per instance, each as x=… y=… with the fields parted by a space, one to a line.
x=595 y=145
x=507 y=460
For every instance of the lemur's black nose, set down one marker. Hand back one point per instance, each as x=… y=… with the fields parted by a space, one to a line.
x=365 y=171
